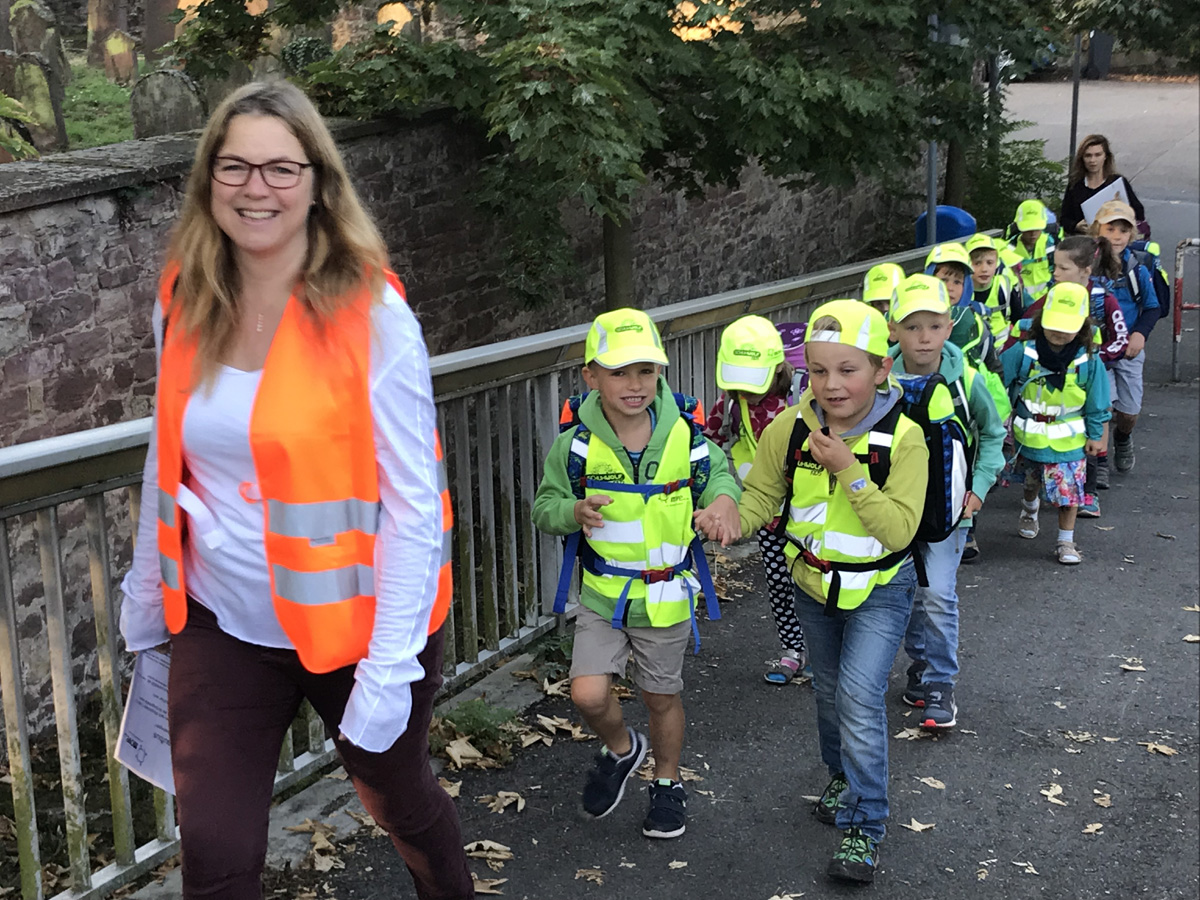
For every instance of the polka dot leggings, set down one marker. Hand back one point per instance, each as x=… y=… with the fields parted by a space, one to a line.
x=782 y=591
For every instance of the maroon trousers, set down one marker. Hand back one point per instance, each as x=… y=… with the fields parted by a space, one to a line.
x=230 y=704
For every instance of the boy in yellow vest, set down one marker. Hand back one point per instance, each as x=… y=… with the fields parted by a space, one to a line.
x=623 y=486
x=850 y=531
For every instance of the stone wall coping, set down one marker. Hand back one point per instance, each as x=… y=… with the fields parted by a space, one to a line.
x=80 y=173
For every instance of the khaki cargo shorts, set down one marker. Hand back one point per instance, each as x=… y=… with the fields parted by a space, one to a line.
x=658 y=653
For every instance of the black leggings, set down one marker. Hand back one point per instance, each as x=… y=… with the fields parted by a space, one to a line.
x=782 y=591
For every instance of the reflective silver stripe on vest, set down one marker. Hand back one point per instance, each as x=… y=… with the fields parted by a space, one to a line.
x=321 y=521
x=443 y=479
x=320 y=588
x=169 y=569
x=166 y=508
x=699 y=452
x=447 y=546
x=579 y=448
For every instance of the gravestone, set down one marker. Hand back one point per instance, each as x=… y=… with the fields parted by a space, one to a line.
x=165 y=102
x=5 y=34
x=34 y=30
x=104 y=17
x=28 y=78
x=120 y=58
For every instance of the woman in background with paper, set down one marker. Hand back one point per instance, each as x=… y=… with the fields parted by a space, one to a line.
x=294 y=518
x=1094 y=181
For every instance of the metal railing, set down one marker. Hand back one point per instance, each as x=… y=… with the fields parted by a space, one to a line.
x=1186 y=246
x=498 y=409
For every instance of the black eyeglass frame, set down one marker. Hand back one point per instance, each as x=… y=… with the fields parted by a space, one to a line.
x=262 y=171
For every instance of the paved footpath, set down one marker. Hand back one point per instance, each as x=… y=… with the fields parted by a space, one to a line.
x=1042 y=651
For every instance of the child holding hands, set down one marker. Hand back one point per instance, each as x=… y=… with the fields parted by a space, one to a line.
x=633 y=459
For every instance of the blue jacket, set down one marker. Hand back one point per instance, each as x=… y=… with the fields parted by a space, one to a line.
x=1141 y=312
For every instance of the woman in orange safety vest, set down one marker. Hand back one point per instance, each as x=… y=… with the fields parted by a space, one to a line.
x=294 y=531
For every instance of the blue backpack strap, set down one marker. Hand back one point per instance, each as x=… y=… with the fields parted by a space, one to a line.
x=570 y=555
x=576 y=469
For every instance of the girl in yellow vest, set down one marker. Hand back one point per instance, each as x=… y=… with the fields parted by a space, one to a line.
x=1060 y=411
x=631 y=456
x=294 y=512
x=756 y=382
x=849 y=542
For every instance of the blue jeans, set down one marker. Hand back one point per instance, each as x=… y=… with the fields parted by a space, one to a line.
x=851 y=653
x=932 y=635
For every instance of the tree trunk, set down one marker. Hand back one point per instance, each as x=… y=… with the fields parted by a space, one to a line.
x=956 y=174
x=618 y=264
x=157 y=29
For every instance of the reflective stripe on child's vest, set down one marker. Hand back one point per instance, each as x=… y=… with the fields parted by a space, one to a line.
x=647 y=530
x=1035 y=266
x=998 y=312
x=312 y=440
x=1047 y=417
x=822 y=526
x=746 y=446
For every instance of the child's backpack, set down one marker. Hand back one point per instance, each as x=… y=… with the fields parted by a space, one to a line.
x=1149 y=254
x=793 y=334
x=928 y=402
x=701 y=464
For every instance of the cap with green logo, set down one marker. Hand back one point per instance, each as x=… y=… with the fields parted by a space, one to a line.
x=980 y=242
x=951 y=254
x=1066 y=308
x=859 y=325
x=1031 y=216
x=750 y=352
x=621 y=337
x=880 y=282
x=919 y=293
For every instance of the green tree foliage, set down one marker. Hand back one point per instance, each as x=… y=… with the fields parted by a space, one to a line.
x=1170 y=27
x=12 y=113
x=583 y=101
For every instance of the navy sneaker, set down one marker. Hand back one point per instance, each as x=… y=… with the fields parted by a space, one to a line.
x=606 y=782
x=826 y=807
x=856 y=858
x=668 y=810
x=940 y=711
x=914 y=691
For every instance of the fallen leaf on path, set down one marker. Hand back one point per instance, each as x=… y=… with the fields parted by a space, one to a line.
x=628 y=865
x=915 y=733
x=914 y=825
x=1166 y=537
x=1028 y=867
x=1101 y=798
x=501 y=800
x=487 y=885
x=792 y=896
x=1083 y=737
x=967 y=731
x=622 y=692
x=489 y=851
x=1093 y=828
x=462 y=752
x=1153 y=747
x=453 y=788
x=932 y=782
x=558 y=689
x=308 y=826
x=981 y=874
x=595 y=876
x=1192 y=638
x=1110 y=740
x=809 y=797
x=1060 y=704
x=1104 y=527
x=1193 y=608
x=1128 y=668
x=1053 y=793
x=676 y=864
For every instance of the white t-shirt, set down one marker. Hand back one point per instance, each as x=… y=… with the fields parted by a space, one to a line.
x=225 y=560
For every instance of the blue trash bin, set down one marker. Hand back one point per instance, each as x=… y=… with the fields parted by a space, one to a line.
x=952 y=223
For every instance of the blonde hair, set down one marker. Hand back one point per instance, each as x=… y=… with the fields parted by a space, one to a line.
x=345 y=249
x=830 y=323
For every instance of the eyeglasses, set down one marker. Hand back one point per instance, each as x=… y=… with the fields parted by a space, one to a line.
x=280 y=174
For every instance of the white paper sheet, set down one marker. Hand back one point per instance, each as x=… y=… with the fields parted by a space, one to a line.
x=1114 y=191
x=144 y=746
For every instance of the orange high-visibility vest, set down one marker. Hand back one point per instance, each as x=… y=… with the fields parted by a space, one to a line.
x=312 y=439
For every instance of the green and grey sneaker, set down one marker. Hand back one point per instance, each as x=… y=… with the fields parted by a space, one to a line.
x=856 y=858
x=1123 y=454
x=826 y=807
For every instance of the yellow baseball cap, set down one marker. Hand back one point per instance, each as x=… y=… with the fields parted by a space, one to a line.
x=751 y=350
x=919 y=293
x=621 y=337
x=1116 y=211
x=860 y=325
x=881 y=281
x=980 y=242
x=1066 y=308
x=1031 y=216
x=952 y=253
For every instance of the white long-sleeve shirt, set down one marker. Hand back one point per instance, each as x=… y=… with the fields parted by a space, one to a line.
x=225 y=563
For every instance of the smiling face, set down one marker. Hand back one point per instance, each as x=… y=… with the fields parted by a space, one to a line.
x=625 y=393
x=261 y=221
x=1119 y=232
x=921 y=336
x=843 y=380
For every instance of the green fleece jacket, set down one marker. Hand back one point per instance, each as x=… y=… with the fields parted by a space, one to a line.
x=554 y=505
x=889 y=514
x=986 y=432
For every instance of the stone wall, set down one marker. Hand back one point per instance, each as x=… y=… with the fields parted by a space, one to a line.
x=82 y=236
x=81 y=242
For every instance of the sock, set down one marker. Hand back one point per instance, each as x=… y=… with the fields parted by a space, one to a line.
x=1031 y=506
x=1068 y=536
